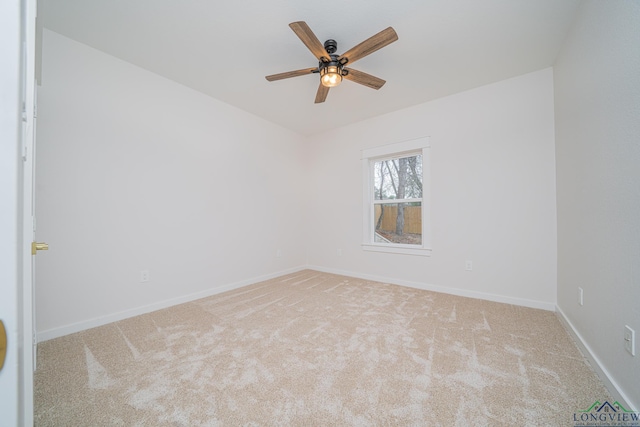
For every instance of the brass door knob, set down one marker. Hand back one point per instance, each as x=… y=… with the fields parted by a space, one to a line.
x=36 y=246
x=3 y=344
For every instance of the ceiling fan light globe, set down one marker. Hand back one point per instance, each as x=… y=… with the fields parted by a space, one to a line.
x=331 y=76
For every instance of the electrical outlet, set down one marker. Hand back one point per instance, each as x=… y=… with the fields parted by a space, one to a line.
x=630 y=340
x=339 y=252
x=580 y=296
x=279 y=253
x=468 y=265
x=144 y=276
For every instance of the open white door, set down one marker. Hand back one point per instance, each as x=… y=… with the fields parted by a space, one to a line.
x=17 y=50
x=27 y=314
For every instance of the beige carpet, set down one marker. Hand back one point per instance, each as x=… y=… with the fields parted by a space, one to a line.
x=316 y=349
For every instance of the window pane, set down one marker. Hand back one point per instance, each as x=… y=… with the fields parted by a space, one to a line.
x=398 y=223
x=398 y=178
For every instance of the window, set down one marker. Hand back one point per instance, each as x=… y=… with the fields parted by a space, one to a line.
x=396 y=198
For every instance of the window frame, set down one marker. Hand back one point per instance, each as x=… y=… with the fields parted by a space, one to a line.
x=386 y=152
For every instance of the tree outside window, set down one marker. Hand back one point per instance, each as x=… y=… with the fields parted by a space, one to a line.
x=398 y=200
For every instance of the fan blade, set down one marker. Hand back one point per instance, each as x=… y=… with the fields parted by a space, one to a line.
x=369 y=46
x=289 y=74
x=310 y=40
x=322 y=93
x=364 y=79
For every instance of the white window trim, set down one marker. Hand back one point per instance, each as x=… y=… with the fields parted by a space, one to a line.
x=396 y=150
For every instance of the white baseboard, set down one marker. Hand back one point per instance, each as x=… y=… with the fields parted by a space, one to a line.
x=598 y=367
x=549 y=306
x=114 y=317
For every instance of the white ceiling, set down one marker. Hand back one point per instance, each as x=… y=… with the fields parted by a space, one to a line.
x=225 y=48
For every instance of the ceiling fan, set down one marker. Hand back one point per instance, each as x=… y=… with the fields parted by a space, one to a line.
x=331 y=67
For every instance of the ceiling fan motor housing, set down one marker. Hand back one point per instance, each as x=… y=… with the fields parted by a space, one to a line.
x=331 y=46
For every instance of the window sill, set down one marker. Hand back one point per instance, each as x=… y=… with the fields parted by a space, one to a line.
x=397 y=249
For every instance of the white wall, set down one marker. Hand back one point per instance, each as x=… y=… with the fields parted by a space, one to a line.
x=137 y=172
x=492 y=193
x=597 y=97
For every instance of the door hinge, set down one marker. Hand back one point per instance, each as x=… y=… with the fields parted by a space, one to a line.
x=24 y=132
